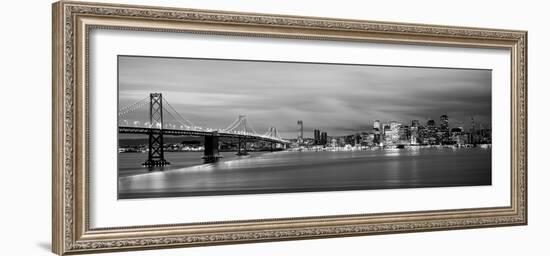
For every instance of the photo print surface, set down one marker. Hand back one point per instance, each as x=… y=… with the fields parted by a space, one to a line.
x=201 y=127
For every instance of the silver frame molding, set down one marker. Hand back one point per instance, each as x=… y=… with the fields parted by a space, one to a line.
x=72 y=22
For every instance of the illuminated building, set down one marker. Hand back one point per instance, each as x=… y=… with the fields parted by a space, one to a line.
x=404 y=134
x=444 y=123
x=430 y=133
x=394 y=125
x=414 y=132
x=457 y=136
x=376 y=125
x=443 y=133
x=376 y=132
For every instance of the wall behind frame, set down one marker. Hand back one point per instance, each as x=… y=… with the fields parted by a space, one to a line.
x=26 y=150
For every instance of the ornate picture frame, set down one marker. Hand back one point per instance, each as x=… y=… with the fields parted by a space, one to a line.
x=72 y=23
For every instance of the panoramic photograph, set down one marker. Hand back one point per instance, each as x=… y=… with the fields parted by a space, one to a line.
x=212 y=127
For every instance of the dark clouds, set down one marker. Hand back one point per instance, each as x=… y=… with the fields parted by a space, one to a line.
x=339 y=99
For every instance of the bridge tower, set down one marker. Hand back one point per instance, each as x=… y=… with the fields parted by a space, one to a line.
x=156 y=138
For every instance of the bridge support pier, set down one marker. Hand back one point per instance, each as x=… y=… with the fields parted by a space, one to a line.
x=242 y=147
x=211 y=148
x=156 y=149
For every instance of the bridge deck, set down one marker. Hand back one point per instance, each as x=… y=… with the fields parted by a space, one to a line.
x=177 y=132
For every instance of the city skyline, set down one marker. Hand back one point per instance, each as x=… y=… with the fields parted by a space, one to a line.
x=309 y=132
x=338 y=99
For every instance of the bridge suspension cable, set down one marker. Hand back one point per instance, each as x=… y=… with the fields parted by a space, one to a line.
x=133 y=107
x=241 y=122
x=176 y=119
x=239 y=125
x=233 y=125
x=181 y=120
x=272 y=132
x=247 y=126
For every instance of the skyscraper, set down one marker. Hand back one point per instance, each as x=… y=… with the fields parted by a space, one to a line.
x=376 y=125
x=404 y=134
x=324 y=138
x=316 y=137
x=392 y=134
x=430 y=135
x=414 y=132
x=384 y=134
x=394 y=125
x=444 y=122
x=300 y=132
x=376 y=131
x=444 y=129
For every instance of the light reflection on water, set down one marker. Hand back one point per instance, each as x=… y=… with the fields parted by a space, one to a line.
x=270 y=172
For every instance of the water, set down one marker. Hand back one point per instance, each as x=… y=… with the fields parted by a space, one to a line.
x=279 y=172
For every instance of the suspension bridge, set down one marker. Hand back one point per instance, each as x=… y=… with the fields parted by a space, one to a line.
x=164 y=120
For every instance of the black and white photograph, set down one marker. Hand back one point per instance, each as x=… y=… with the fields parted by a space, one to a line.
x=198 y=127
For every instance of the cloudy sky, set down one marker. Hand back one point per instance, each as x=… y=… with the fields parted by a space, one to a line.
x=339 y=99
